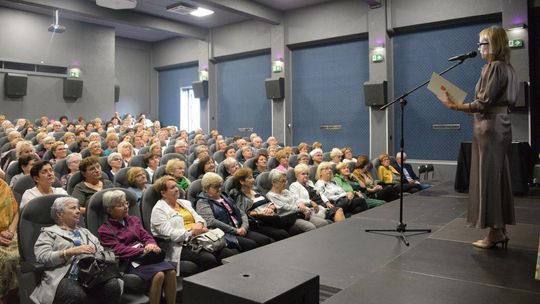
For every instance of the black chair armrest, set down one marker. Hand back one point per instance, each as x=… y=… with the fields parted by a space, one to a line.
x=32 y=267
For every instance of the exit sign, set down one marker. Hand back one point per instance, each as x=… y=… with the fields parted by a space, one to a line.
x=516 y=43
x=377 y=58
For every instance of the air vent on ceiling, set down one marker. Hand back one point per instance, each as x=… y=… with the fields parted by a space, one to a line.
x=117 y=4
x=181 y=8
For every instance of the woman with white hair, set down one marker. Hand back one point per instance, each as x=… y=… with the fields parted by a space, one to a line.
x=316 y=156
x=115 y=161
x=60 y=246
x=336 y=155
x=286 y=201
x=129 y=240
x=126 y=150
x=72 y=161
x=220 y=211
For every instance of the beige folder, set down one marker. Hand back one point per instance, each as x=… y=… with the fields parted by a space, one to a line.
x=438 y=85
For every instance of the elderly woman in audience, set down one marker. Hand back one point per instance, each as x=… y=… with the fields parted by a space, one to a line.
x=25 y=163
x=388 y=175
x=230 y=151
x=155 y=149
x=247 y=153
x=254 y=204
x=9 y=252
x=177 y=169
x=231 y=166
x=43 y=175
x=48 y=141
x=72 y=161
x=126 y=150
x=303 y=158
x=58 y=151
x=128 y=239
x=112 y=142
x=24 y=147
x=137 y=181
x=307 y=194
x=271 y=151
x=261 y=162
x=152 y=163
x=350 y=183
x=92 y=181
x=316 y=156
x=59 y=247
x=94 y=136
x=369 y=185
x=115 y=161
x=282 y=157
x=175 y=219
x=220 y=211
x=303 y=148
x=94 y=147
x=336 y=155
x=206 y=164
x=348 y=155
x=69 y=138
x=285 y=201
x=350 y=203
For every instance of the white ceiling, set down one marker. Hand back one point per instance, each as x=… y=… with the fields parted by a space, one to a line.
x=150 y=21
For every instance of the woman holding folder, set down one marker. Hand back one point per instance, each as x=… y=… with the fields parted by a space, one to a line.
x=490 y=193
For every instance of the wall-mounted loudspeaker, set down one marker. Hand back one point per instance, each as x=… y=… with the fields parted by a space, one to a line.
x=375 y=93
x=116 y=93
x=200 y=89
x=15 y=85
x=72 y=88
x=275 y=88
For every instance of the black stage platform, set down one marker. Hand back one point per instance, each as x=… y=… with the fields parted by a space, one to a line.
x=442 y=267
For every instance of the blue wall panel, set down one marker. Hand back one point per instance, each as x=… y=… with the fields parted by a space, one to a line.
x=416 y=56
x=170 y=82
x=241 y=94
x=328 y=89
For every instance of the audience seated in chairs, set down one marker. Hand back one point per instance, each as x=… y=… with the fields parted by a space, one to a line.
x=261 y=163
x=307 y=194
x=220 y=211
x=350 y=184
x=177 y=168
x=111 y=142
x=336 y=155
x=138 y=182
x=350 y=203
x=9 y=253
x=73 y=161
x=206 y=164
x=43 y=175
x=57 y=247
x=245 y=153
x=128 y=239
x=282 y=159
x=408 y=171
x=388 y=175
x=94 y=149
x=126 y=150
x=229 y=166
x=285 y=201
x=175 y=220
x=24 y=164
x=152 y=162
x=115 y=162
x=92 y=181
x=58 y=151
x=368 y=184
x=348 y=155
x=254 y=204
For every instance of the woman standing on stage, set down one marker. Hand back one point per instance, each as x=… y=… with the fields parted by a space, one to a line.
x=491 y=203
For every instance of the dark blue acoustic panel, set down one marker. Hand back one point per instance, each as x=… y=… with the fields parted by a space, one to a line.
x=328 y=89
x=416 y=56
x=170 y=82
x=241 y=94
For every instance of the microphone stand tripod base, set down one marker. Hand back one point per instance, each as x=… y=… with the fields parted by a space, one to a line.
x=401 y=228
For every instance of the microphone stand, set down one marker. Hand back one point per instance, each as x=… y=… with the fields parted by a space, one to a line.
x=401 y=227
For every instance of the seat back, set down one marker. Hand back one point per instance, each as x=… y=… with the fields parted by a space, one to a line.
x=121 y=180
x=228 y=184
x=219 y=156
x=160 y=171
x=250 y=163
x=26 y=182
x=291 y=177
x=149 y=200
x=263 y=183
x=170 y=156
x=143 y=150
x=193 y=191
x=77 y=178
x=169 y=149
x=137 y=161
x=12 y=170
x=312 y=173
x=95 y=214
x=293 y=160
x=272 y=163
x=222 y=171
x=104 y=163
x=61 y=168
x=193 y=172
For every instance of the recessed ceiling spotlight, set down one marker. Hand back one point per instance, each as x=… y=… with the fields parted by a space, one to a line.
x=201 y=12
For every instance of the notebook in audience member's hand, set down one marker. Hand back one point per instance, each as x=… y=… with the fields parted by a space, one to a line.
x=438 y=85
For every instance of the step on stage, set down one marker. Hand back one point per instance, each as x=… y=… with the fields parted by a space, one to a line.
x=355 y=266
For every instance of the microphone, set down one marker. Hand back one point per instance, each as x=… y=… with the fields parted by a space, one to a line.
x=463 y=56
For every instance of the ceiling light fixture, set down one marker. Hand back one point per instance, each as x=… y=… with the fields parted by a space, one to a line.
x=201 y=12
x=117 y=4
x=55 y=27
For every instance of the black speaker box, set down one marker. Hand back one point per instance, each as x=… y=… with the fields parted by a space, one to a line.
x=72 y=88
x=116 y=93
x=15 y=85
x=200 y=89
x=376 y=93
x=275 y=88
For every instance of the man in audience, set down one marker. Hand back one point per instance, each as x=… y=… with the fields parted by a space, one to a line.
x=272 y=141
x=256 y=143
x=408 y=171
x=181 y=147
